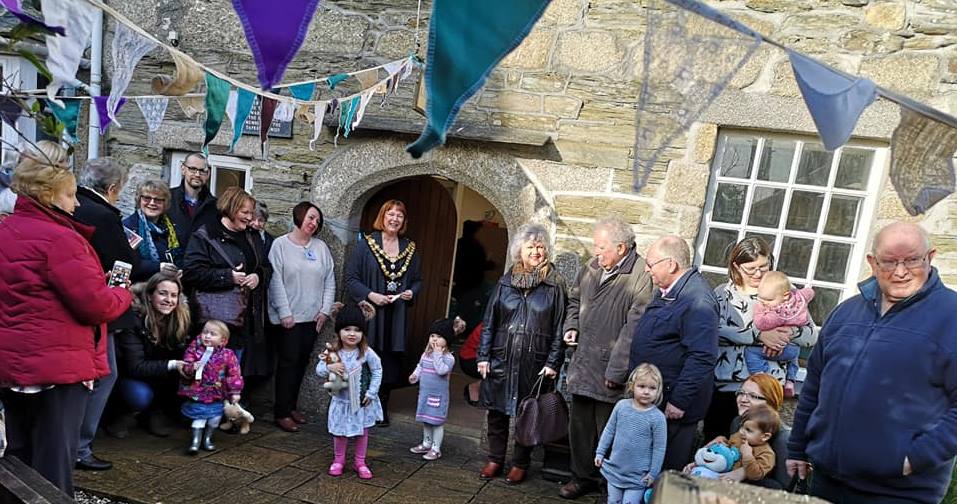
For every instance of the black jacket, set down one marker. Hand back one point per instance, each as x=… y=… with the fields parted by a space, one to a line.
x=139 y=358
x=184 y=224
x=522 y=333
x=144 y=268
x=108 y=240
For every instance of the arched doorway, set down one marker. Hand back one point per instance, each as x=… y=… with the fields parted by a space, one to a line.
x=432 y=222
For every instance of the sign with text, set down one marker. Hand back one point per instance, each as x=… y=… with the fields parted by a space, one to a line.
x=278 y=129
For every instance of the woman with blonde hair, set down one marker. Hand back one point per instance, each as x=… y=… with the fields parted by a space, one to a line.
x=56 y=303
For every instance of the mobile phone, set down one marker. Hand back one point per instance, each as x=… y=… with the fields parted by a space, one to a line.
x=120 y=274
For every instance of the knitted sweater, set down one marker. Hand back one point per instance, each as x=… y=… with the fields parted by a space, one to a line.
x=638 y=438
x=303 y=281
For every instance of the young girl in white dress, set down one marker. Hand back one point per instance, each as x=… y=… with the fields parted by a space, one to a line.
x=355 y=408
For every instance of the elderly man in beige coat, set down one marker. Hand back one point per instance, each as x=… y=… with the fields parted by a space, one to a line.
x=603 y=306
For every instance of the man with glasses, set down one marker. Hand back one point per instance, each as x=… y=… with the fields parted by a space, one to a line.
x=679 y=333
x=192 y=204
x=877 y=419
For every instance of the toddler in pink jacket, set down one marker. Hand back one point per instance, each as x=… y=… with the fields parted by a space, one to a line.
x=779 y=305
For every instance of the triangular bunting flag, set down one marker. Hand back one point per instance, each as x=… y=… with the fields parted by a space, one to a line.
x=320 y=113
x=154 y=110
x=303 y=92
x=188 y=74
x=128 y=49
x=266 y=113
x=466 y=41
x=285 y=111
x=347 y=114
x=217 y=92
x=363 y=102
x=14 y=6
x=334 y=80
x=922 y=161
x=191 y=106
x=274 y=33
x=103 y=113
x=244 y=104
x=64 y=53
x=368 y=78
x=305 y=113
x=68 y=114
x=10 y=110
x=231 y=106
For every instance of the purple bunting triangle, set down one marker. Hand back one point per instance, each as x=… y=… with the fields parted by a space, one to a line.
x=274 y=34
x=100 y=102
x=15 y=8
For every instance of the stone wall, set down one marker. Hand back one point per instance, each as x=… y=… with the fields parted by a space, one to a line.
x=573 y=79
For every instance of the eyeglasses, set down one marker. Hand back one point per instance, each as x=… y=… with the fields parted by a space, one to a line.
x=753 y=397
x=754 y=271
x=193 y=169
x=153 y=199
x=652 y=264
x=888 y=265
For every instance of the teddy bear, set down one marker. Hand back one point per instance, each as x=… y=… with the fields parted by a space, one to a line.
x=712 y=460
x=234 y=414
x=335 y=383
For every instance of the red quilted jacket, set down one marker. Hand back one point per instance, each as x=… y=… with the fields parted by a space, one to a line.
x=55 y=302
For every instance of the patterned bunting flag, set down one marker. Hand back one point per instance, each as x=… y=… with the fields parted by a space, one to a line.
x=153 y=110
x=275 y=33
x=103 y=113
x=217 y=92
x=466 y=41
x=320 y=113
x=922 y=161
x=244 y=104
x=67 y=111
x=128 y=49
x=64 y=53
x=285 y=111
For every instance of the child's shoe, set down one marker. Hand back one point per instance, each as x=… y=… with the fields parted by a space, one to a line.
x=432 y=454
x=363 y=472
x=336 y=469
x=789 y=389
x=420 y=448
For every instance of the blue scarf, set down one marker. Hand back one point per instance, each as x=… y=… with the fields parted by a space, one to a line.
x=147 y=228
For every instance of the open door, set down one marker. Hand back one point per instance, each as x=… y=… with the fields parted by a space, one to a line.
x=431 y=225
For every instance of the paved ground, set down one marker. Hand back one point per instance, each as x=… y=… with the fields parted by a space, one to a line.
x=272 y=466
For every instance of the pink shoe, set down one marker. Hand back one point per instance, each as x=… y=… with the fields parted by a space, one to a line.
x=363 y=472
x=789 y=389
x=336 y=469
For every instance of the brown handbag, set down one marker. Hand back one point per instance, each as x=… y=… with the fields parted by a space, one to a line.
x=541 y=418
x=228 y=306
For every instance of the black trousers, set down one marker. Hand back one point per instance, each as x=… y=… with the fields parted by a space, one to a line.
x=723 y=409
x=680 y=449
x=294 y=347
x=43 y=430
x=833 y=490
x=498 y=442
x=586 y=420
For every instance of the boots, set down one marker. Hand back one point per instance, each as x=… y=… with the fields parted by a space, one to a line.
x=208 y=438
x=194 y=442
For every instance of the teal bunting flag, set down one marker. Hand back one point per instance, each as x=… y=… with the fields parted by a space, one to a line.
x=466 y=41
x=334 y=80
x=68 y=115
x=244 y=104
x=303 y=91
x=347 y=112
x=217 y=93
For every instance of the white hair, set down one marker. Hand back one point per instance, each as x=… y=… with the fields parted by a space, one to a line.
x=618 y=230
x=530 y=232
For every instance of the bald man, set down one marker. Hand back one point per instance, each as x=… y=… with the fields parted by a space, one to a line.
x=678 y=333
x=877 y=419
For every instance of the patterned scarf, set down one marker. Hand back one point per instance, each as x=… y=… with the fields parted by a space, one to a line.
x=528 y=279
x=146 y=230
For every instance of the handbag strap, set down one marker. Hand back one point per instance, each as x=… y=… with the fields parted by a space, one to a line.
x=215 y=244
x=537 y=387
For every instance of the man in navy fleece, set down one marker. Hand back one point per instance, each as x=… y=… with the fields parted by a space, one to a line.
x=877 y=418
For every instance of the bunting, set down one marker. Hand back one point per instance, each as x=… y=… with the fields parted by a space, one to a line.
x=320 y=112
x=128 y=49
x=10 y=110
x=335 y=80
x=274 y=33
x=15 y=8
x=303 y=92
x=266 y=113
x=187 y=76
x=192 y=106
x=922 y=161
x=244 y=104
x=104 y=113
x=217 y=92
x=67 y=111
x=285 y=111
x=367 y=78
x=467 y=40
x=153 y=110
x=64 y=53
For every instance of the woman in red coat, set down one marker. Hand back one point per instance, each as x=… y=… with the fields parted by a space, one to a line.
x=52 y=316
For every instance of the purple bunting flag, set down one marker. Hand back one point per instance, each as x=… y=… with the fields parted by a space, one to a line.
x=274 y=33
x=101 y=111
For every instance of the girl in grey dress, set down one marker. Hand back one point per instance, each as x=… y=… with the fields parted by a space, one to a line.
x=432 y=375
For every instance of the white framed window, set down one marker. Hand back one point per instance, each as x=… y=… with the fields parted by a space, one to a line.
x=227 y=171
x=813 y=206
x=17 y=73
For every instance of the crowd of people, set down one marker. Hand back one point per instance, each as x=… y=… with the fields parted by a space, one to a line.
x=215 y=305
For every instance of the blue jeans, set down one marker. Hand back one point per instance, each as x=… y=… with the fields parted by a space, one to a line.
x=757 y=362
x=97 y=403
x=137 y=394
x=625 y=495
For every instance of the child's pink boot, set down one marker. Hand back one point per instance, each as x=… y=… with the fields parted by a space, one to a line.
x=362 y=446
x=339 y=456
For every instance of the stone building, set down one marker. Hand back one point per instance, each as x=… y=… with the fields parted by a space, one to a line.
x=550 y=135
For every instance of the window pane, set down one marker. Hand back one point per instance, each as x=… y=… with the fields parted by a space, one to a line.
x=795 y=256
x=832 y=262
x=770 y=238
x=853 y=169
x=738 y=155
x=719 y=246
x=776 y=161
x=805 y=211
x=823 y=303
x=729 y=203
x=842 y=215
x=766 y=207
x=815 y=165
x=715 y=279
x=227 y=177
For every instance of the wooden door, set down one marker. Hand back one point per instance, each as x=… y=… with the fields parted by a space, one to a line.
x=431 y=225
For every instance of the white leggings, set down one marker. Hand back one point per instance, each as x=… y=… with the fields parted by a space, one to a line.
x=625 y=495
x=432 y=435
x=201 y=422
